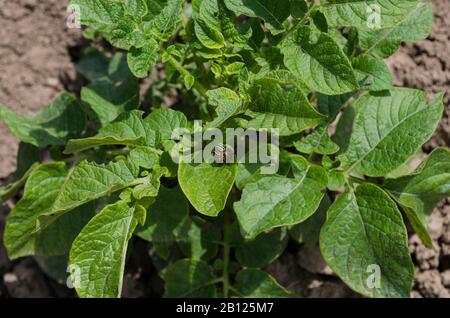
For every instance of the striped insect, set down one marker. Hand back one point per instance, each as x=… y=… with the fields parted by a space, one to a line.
x=223 y=154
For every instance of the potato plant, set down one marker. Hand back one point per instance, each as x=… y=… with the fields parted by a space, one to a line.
x=99 y=170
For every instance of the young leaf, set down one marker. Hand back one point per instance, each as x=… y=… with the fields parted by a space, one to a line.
x=274 y=201
x=274 y=13
x=165 y=121
x=316 y=59
x=189 y=278
x=419 y=192
x=389 y=129
x=140 y=60
x=318 y=141
x=227 y=104
x=136 y=8
x=99 y=14
x=206 y=185
x=254 y=283
x=208 y=28
x=41 y=189
x=97 y=257
x=282 y=107
x=165 y=23
x=144 y=157
x=60 y=121
x=365 y=242
x=363 y=13
x=128 y=129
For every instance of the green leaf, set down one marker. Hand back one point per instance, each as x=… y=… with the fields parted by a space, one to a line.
x=385 y=41
x=364 y=229
x=99 y=14
x=166 y=217
x=189 y=279
x=113 y=92
x=373 y=73
x=389 y=129
x=41 y=189
x=308 y=231
x=10 y=190
x=207 y=186
x=358 y=13
x=226 y=103
x=344 y=128
x=274 y=201
x=166 y=22
x=144 y=157
x=94 y=65
x=316 y=59
x=336 y=180
x=136 y=8
x=165 y=121
x=149 y=185
x=208 y=28
x=246 y=173
x=254 y=283
x=61 y=120
x=200 y=240
x=55 y=267
x=262 y=250
x=419 y=192
x=215 y=27
x=318 y=141
x=128 y=129
x=27 y=155
x=274 y=13
x=140 y=60
x=86 y=182
x=282 y=107
x=97 y=257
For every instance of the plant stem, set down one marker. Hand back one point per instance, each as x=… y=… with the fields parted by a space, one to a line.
x=226 y=256
x=184 y=72
x=300 y=23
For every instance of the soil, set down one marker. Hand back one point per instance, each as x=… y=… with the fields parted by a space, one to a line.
x=37 y=52
x=35 y=61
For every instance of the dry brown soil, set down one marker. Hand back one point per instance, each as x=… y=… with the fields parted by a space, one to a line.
x=36 y=64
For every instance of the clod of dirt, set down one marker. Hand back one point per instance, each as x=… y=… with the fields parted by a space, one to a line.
x=429 y=284
x=426 y=258
x=445 y=277
x=26 y=281
x=306 y=284
x=311 y=259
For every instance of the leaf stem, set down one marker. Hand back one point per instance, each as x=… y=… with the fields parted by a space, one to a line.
x=184 y=72
x=300 y=23
x=226 y=256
